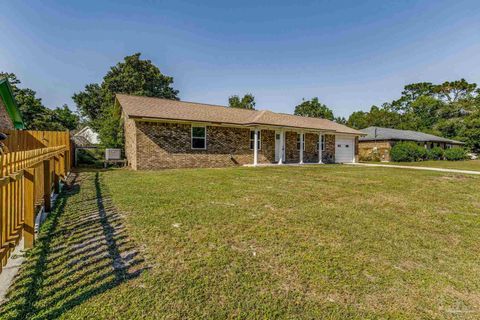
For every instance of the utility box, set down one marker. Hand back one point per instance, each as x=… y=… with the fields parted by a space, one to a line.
x=113 y=154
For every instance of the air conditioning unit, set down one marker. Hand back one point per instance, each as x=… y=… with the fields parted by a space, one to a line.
x=113 y=154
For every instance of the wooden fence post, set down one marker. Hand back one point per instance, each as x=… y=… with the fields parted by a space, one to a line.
x=56 y=178
x=3 y=206
x=29 y=207
x=22 y=173
x=47 y=185
x=7 y=212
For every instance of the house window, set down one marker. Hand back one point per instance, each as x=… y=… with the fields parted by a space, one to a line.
x=322 y=141
x=252 y=139
x=298 y=141
x=199 y=137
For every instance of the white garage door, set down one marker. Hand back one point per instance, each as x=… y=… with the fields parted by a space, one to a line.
x=344 y=149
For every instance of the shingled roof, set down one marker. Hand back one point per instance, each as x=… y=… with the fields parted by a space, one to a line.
x=378 y=133
x=156 y=108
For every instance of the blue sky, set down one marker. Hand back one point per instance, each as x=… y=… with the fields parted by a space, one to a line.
x=351 y=54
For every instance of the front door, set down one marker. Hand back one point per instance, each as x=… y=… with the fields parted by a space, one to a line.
x=278 y=146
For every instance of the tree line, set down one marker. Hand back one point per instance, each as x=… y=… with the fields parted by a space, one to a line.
x=449 y=109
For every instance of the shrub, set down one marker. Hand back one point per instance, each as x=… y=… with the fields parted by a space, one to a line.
x=435 y=153
x=407 y=152
x=90 y=157
x=421 y=153
x=455 y=154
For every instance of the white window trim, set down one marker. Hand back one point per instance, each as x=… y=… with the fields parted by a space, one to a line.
x=191 y=137
x=252 y=140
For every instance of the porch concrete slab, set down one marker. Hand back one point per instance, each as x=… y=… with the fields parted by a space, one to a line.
x=283 y=164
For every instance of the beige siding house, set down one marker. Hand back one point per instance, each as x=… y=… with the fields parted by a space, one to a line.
x=161 y=133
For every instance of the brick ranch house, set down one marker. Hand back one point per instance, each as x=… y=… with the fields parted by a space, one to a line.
x=377 y=141
x=161 y=133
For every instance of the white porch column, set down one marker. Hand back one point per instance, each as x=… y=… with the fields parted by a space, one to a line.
x=301 y=146
x=280 y=158
x=255 y=147
x=320 y=155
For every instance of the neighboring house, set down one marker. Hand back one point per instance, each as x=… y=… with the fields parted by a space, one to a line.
x=379 y=141
x=10 y=116
x=161 y=133
x=86 y=137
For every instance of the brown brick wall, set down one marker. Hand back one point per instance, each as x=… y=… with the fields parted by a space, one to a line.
x=366 y=150
x=311 y=152
x=155 y=145
x=310 y=155
x=292 y=155
x=5 y=121
x=268 y=146
x=130 y=142
x=328 y=155
x=356 y=149
x=168 y=145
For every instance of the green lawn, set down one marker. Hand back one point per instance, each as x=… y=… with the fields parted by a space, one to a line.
x=313 y=242
x=460 y=165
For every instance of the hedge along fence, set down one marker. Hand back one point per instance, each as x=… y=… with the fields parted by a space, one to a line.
x=27 y=178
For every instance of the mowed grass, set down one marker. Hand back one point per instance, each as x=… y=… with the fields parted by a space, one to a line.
x=313 y=242
x=334 y=242
x=473 y=165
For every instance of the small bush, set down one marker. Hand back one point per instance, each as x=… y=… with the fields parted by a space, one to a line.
x=407 y=152
x=90 y=157
x=421 y=153
x=435 y=153
x=455 y=154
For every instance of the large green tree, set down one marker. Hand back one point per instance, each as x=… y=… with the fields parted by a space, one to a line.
x=246 y=102
x=377 y=116
x=133 y=76
x=313 y=108
x=450 y=109
x=455 y=91
x=65 y=117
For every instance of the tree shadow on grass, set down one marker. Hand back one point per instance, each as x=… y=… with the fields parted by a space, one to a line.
x=82 y=251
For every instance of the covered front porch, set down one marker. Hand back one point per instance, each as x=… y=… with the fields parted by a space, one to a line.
x=289 y=146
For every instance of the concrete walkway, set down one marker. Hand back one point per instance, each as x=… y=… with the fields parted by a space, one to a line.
x=416 y=168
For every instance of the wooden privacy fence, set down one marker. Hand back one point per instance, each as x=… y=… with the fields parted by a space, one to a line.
x=28 y=140
x=27 y=179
